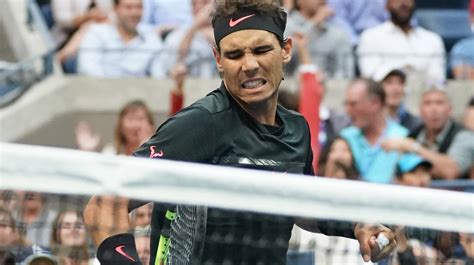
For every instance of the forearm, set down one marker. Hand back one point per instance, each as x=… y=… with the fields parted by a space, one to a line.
x=106 y=216
x=327 y=227
x=443 y=166
x=186 y=43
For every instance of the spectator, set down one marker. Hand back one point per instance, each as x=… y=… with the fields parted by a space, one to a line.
x=166 y=15
x=413 y=171
x=69 y=240
x=393 y=84
x=142 y=242
x=365 y=101
x=70 y=15
x=462 y=54
x=356 y=16
x=191 y=46
x=141 y=217
x=135 y=125
x=12 y=239
x=46 y=12
x=467 y=243
x=397 y=44
x=439 y=128
x=121 y=49
x=36 y=218
x=7 y=257
x=330 y=48
x=440 y=139
x=45 y=259
x=468 y=119
x=337 y=160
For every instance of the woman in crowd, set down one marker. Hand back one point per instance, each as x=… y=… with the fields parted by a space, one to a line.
x=69 y=241
x=337 y=161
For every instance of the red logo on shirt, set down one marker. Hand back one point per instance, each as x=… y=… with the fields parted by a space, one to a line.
x=233 y=23
x=119 y=250
x=154 y=154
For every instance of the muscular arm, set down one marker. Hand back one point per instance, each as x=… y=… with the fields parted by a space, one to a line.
x=106 y=216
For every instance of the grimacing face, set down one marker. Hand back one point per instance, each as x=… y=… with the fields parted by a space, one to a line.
x=251 y=64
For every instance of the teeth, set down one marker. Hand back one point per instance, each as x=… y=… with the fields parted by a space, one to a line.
x=253 y=84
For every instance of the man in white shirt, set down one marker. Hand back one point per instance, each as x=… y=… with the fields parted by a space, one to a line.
x=190 y=46
x=121 y=49
x=397 y=44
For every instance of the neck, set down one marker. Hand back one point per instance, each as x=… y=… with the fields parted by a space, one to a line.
x=130 y=148
x=307 y=14
x=126 y=34
x=392 y=111
x=30 y=215
x=431 y=134
x=405 y=27
x=264 y=113
x=373 y=132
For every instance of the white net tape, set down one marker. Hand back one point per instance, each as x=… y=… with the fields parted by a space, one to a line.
x=52 y=170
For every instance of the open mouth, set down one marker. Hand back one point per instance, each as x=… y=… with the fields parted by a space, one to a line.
x=255 y=83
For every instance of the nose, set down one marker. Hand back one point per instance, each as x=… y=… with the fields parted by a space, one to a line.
x=249 y=64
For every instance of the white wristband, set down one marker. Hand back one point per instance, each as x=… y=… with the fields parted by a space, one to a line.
x=382 y=241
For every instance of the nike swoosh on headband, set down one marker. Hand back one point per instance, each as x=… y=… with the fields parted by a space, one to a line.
x=119 y=250
x=233 y=23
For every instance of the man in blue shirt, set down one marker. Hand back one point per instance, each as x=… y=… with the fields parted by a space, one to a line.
x=364 y=102
x=121 y=49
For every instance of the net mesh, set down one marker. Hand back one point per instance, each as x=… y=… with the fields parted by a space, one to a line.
x=224 y=215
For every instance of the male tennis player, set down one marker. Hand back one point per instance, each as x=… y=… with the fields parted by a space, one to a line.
x=239 y=124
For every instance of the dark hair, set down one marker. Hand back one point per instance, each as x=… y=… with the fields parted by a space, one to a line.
x=374 y=88
x=350 y=171
x=396 y=72
x=117 y=2
x=228 y=8
x=57 y=247
x=471 y=102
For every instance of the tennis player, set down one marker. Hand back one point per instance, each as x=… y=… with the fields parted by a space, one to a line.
x=239 y=124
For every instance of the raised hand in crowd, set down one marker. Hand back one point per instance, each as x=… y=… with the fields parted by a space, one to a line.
x=300 y=40
x=323 y=13
x=201 y=23
x=467 y=243
x=86 y=138
x=96 y=15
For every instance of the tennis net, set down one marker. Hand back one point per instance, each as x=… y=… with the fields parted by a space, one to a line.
x=437 y=224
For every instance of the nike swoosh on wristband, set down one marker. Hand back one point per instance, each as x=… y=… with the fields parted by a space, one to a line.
x=119 y=250
x=233 y=23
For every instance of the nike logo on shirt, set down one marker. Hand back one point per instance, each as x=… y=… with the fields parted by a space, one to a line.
x=233 y=23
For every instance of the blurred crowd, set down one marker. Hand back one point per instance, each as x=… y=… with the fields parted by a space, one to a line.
x=377 y=44
x=367 y=38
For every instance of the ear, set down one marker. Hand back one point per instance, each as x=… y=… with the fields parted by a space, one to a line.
x=217 y=56
x=286 y=51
